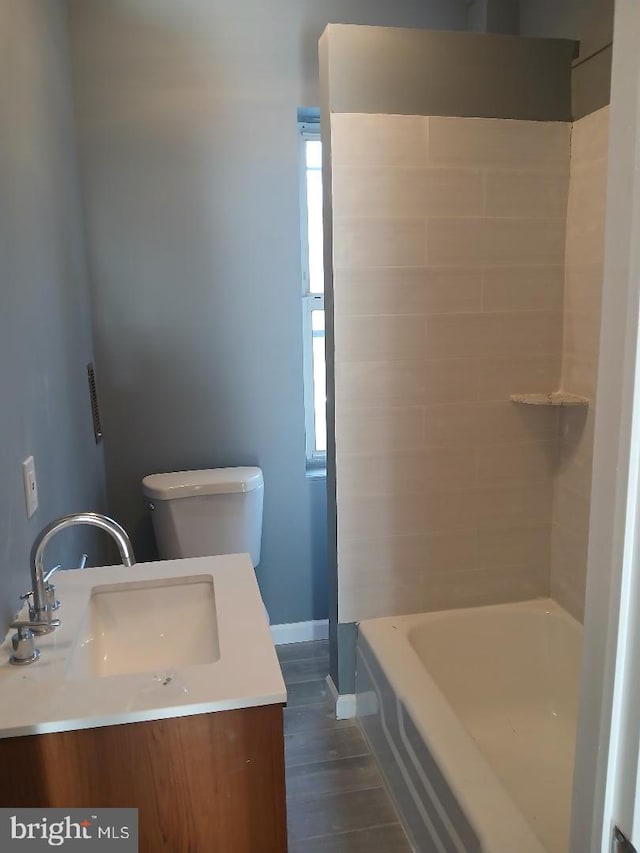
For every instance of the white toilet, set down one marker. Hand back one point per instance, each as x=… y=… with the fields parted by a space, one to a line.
x=203 y=513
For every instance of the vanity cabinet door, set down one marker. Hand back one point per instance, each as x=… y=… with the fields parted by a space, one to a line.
x=210 y=783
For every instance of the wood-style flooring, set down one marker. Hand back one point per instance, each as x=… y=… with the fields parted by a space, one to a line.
x=336 y=800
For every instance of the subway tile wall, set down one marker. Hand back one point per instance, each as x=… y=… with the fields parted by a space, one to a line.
x=449 y=255
x=582 y=298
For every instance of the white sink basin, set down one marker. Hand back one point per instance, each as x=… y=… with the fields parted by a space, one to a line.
x=147 y=626
x=172 y=638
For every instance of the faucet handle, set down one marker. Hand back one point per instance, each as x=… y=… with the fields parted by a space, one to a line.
x=52 y=601
x=48 y=575
x=46 y=580
x=24 y=645
x=28 y=597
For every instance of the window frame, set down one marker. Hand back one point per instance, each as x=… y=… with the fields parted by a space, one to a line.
x=315 y=459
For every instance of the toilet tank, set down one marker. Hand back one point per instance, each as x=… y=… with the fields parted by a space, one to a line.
x=203 y=513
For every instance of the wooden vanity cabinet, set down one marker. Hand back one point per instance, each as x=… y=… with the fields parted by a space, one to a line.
x=210 y=783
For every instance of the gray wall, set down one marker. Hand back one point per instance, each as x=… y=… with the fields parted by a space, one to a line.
x=494 y=16
x=45 y=338
x=331 y=496
x=590 y=21
x=569 y=19
x=503 y=16
x=187 y=127
x=421 y=72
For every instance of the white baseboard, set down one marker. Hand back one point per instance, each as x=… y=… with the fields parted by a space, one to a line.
x=300 y=632
x=345 y=702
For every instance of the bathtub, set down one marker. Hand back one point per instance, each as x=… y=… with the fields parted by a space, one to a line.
x=471 y=715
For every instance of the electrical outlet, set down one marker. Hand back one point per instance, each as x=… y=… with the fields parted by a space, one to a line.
x=30 y=485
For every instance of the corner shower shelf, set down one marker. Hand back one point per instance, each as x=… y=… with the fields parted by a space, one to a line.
x=554 y=398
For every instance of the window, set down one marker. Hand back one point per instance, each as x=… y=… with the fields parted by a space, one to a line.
x=315 y=389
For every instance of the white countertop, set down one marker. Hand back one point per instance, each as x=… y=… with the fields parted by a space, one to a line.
x=42 y=697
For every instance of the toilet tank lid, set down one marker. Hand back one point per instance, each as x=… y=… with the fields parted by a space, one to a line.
x=211 y=481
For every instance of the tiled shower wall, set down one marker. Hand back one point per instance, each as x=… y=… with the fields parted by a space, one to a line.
x=583 y=291
x=449 y=249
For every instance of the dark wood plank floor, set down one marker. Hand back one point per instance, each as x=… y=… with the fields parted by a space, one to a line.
x=336 y=800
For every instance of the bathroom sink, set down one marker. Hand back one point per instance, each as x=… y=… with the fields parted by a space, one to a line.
x=147 y=626
x=154 y=641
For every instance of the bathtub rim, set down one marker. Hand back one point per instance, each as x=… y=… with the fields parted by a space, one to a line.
x=495 y=817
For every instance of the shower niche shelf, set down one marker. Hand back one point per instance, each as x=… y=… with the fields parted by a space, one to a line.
x=553 y=398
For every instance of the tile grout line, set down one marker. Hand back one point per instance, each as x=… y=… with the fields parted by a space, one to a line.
x=347 y=832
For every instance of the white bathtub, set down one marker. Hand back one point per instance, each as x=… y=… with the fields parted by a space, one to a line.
x=472 y=717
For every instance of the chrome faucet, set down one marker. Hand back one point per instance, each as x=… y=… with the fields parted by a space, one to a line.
x=43 y=592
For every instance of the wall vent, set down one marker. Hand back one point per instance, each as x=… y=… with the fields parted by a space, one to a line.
x=95 y=408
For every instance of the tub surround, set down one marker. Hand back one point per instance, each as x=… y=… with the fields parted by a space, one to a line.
x=448 y=272
x=584 y=263
x=472 y=716
x=452 y=261
x=467 y=278
x=49 y=696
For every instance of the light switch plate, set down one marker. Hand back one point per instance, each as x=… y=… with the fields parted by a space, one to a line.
x=30 y=485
